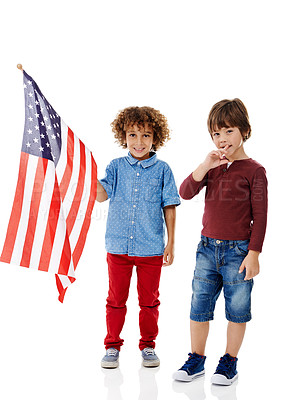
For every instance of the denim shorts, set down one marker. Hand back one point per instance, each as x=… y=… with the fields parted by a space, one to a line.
x=217 y=267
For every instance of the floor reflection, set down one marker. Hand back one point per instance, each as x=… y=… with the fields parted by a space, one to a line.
x=225 y=392
x=112 y=381
x=148 y=385
x=193 y=390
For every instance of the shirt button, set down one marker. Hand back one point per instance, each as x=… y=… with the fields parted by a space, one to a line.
x=218 y=241
x=133 y=222
x=138 y=174
x=131 y=237
x=136 y=190
x=134 y=205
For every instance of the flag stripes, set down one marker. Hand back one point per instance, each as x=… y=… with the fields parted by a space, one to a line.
x=53 y=202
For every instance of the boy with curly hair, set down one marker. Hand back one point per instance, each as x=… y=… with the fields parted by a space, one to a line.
x=234 y=224
x=143 y=198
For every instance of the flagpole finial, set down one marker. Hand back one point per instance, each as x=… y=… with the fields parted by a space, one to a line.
x=19 y=66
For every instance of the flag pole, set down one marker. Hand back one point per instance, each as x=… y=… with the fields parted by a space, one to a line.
x=19 y=66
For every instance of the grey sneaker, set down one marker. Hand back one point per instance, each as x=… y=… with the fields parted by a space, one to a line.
x=150 y=359
x=110 y=360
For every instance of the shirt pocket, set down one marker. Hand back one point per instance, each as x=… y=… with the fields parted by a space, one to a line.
x=153 y=190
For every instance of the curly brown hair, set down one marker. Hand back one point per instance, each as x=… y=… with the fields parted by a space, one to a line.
x=141 y=115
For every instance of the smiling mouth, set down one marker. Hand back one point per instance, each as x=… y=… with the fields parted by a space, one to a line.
x=139 y=150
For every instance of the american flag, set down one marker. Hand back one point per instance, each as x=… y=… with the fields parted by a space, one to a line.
x=55 y=194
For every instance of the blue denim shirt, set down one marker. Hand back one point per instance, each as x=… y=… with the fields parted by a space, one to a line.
x=138 y=192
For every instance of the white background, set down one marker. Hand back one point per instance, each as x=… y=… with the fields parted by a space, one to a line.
x=91 y=59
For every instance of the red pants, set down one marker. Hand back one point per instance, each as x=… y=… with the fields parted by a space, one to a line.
x=120 y=268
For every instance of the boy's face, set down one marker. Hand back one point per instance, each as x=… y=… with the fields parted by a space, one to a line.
x=139 y=140
x=231 y=139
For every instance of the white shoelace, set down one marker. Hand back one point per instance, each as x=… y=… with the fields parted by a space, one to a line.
x=112 y=352
x=149 y=351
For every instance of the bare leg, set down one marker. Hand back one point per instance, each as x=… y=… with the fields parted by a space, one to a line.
x=235 y=336
x=199 y=333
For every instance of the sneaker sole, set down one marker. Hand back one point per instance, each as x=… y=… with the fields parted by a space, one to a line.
x=218 y=379
x=151 y=363
x=184 y=377
x=109 y=364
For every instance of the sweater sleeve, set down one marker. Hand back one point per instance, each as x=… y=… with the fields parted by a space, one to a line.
x=259 y=204
x=189 y=188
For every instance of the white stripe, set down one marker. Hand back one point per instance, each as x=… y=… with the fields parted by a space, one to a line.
x=25 y=213
x=43 y=215
x=62 y=162
x=58 y=247
x=84 y=202
x=58 y=243
x=64 y=281
x=69 y=196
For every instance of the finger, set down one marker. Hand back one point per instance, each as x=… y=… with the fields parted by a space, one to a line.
x=168 y=260
x=224 y=161
x=165 y=256
x=241 y=269
x=247 y=277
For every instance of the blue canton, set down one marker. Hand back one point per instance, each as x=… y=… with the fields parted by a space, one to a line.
x=42 y=131
x=138 y=192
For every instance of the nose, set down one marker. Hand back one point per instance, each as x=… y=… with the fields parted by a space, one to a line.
x=222 y=138
x=139 y=139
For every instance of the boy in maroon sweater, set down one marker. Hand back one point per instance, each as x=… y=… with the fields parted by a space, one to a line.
x=234 y=224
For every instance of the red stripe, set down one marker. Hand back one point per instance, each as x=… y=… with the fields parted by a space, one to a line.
x=16 y=210
x=34 y=210
x=72 y=215
x=85 y=227
x=69 y=165
x=52 y=221
x=65 y=257
x=61 y=289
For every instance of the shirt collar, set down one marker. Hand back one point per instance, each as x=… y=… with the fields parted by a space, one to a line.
x=145 y=163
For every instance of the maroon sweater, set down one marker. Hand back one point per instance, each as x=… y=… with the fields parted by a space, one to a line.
x=235 y=202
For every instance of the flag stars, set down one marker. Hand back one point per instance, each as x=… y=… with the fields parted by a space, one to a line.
x=31 y=94
x=29 y=131
x=36 y=140
x=28 y=144
x=30 y=107
x=53 y=136
x=37 y=127
x=42 y=136
x=37 y=115
x=41 y=149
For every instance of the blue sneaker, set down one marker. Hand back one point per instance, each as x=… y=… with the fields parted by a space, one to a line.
x=110 y=360
x=226 y=372
x=193 y=368
x=150 y=359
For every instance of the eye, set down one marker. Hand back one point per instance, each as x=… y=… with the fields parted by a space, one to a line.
x=215 y=134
